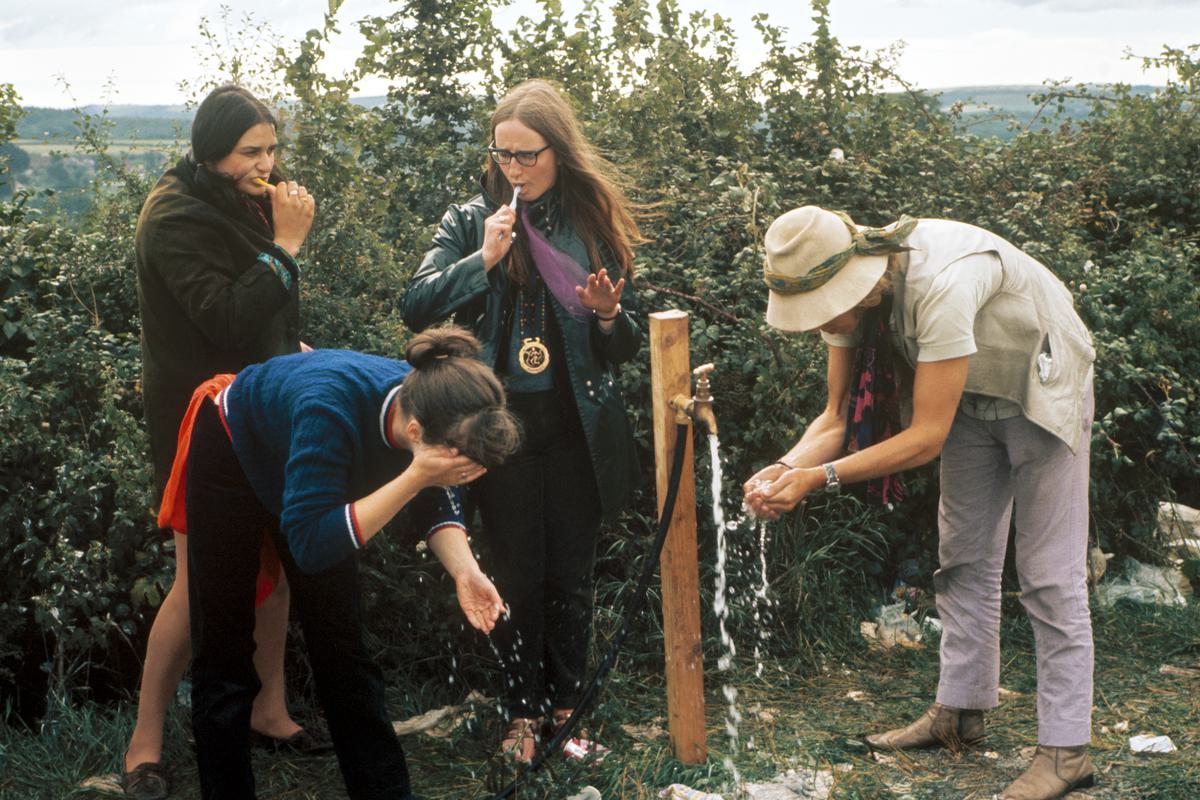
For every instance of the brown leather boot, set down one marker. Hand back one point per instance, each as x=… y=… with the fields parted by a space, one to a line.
x=940 y=726
x=1053 y=772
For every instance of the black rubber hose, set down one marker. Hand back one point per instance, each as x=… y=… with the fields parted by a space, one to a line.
x=633 y=608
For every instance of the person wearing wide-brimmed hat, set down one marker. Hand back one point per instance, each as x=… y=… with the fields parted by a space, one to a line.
x=997 y=366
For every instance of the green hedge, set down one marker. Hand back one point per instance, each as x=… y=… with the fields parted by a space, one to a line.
x=712 y=154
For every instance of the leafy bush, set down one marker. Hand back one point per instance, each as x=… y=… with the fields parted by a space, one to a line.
x=78 y=562
x=711 y=153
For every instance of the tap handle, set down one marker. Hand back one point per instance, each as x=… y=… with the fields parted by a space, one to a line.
x=703 y=390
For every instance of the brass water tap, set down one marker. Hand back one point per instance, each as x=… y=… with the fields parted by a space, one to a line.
x=700 y=407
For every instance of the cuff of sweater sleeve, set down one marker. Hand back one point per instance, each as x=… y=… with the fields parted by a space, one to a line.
x=279 y=267
x=439 y=526
x=352 y=527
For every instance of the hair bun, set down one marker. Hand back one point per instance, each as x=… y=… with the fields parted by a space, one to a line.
x=425 y=349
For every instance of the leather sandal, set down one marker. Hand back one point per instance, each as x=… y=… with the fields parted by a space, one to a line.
x=520 y=740
x=146 y=781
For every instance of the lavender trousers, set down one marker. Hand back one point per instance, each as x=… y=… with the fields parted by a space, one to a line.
x=991 y=470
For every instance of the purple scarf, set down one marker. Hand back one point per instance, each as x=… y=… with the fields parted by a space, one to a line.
x=559 y=271
x=874 y=413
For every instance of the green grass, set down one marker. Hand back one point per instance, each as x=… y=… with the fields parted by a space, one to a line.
x=791 y=719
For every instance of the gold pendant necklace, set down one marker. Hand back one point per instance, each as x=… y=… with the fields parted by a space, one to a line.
x=534 y=356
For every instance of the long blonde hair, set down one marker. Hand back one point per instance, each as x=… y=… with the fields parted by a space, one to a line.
x=587 y=184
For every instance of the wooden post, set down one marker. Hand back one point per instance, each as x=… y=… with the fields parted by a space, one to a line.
x=670 y=375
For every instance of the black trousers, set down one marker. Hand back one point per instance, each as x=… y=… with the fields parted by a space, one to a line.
x=225 y=524
x=541 y=512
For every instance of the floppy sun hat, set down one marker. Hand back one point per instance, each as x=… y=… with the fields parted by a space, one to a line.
x=820 y=265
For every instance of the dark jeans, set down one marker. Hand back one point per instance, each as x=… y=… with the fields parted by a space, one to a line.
x=541 y=513
x=225 y=524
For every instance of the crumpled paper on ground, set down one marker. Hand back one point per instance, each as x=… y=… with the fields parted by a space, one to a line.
x=1148 y=743
x=894 y=626
x=439 y=722
x=105 y=784
x=1142 y=583
x=1097 y=563
x=803 y=784
x=677 y=791
x=1179 y=529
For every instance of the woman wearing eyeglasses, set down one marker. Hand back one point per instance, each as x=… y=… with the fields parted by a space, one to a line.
x=539 y=266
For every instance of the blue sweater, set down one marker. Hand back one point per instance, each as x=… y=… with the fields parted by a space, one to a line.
x=310 y=432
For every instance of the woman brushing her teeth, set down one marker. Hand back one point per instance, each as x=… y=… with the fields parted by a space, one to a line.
x=539 y=265
x=218 y=290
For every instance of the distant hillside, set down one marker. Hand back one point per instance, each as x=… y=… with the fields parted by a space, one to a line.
x=129 y=122
x=992 y=110
x=1014 y=98
x=989 y=111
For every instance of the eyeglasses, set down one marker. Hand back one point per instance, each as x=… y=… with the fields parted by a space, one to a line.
x=526 y=158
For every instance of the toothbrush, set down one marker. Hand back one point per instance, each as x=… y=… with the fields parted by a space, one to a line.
x=513 y=206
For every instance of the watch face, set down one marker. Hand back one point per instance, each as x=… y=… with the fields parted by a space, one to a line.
x=832 y=482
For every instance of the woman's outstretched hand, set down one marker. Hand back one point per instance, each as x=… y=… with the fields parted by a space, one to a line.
x=601 y=295
x=479 y=600
x=437 y=465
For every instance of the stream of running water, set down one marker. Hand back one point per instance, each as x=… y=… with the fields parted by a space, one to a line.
x=733 y=717
x=723 y=597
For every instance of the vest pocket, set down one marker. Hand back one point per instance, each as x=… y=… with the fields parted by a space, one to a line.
x=1045 y=361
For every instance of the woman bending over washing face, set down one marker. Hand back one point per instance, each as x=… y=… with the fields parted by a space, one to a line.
x=997 y=369
x=325 y=448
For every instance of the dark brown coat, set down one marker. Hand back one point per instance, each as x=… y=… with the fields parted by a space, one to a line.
x=216 y=294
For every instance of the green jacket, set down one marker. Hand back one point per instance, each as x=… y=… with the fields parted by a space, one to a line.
x=215 y=295
x=451 y=282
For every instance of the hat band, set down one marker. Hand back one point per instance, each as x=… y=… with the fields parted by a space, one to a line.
x=865 y=242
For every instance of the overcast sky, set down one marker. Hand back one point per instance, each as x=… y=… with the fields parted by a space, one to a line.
x=146 y=47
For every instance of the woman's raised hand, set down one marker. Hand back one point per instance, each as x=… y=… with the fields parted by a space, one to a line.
x=292 y=209
x=601 y=295
x=437 y=465
x=497 y=236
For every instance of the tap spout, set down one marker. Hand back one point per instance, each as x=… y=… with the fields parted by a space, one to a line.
x=700 y=407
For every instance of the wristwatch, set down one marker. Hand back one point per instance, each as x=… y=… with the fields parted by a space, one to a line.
x=832 y=482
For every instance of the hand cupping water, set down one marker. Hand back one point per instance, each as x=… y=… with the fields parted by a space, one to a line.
x=479 y=600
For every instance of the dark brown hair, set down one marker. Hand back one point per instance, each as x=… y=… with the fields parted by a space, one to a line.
x=457 y=399
x=222 y=118
x=587 y=184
